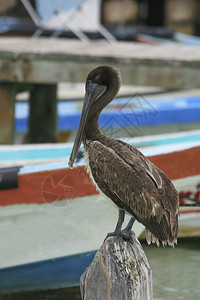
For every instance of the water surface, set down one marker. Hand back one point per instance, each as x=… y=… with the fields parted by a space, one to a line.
x=176 y=272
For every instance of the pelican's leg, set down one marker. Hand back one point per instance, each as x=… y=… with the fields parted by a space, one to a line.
x=126 y=232
x=119 y=224
x=120 y=221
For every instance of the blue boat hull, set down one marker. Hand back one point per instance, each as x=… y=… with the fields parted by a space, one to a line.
x=141 y=112
x=50 y=274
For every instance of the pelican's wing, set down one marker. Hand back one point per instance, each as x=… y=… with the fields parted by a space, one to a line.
x=160 y=179
x=140 y=187
x=128 y=154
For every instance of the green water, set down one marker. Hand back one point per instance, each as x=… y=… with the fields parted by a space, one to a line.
x=176 y=272
x=176 y=275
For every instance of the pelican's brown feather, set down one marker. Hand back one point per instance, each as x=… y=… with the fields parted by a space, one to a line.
x=124 y=174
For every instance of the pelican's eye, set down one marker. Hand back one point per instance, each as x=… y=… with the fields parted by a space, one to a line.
x=88 y=84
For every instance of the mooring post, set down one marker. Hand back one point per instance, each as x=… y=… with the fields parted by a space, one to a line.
x=120 y=270
x=43 y=114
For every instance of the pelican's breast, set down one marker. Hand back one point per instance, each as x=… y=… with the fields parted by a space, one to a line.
x=86 y=157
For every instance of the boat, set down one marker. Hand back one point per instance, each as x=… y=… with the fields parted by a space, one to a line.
x=132 y=114
x=54 y=221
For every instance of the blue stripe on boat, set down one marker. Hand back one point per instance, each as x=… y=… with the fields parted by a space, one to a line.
x=53 y=273
x=64 y=151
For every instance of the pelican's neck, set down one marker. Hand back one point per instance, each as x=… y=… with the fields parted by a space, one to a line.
x=91 y=130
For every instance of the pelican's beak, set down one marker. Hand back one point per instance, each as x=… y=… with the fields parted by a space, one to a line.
x=93 y=92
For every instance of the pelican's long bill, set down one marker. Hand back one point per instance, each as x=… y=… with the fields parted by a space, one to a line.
x=93 y=92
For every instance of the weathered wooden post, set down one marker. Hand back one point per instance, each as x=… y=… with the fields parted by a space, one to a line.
x=7 y=112
x=120 y=270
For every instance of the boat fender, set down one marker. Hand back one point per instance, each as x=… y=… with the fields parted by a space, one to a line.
x=9 y=178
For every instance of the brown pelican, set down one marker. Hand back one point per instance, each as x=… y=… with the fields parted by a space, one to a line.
x=121 y=171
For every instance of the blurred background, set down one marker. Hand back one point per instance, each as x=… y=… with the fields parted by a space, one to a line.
x=52 y=218
x=176 y=15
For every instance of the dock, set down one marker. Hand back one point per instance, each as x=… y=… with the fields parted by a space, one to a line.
x=38 y=65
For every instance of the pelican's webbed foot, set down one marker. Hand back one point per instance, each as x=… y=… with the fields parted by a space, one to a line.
x=126 y=232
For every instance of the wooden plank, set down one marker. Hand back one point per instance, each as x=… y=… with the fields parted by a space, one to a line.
x=51 y=61
x=7 y=99
x=76 y=70
x=56 y=49
x=43 y=114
